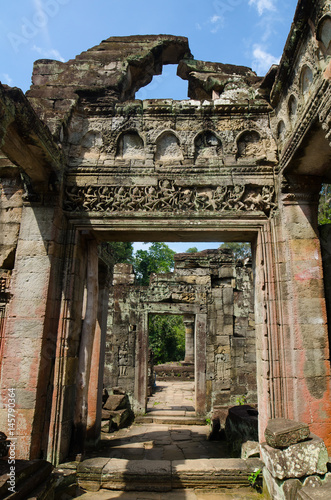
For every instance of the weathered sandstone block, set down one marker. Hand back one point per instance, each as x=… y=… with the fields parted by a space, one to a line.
x=298 y=460
x=281 y=432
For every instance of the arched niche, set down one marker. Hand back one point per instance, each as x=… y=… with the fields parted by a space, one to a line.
x=281 y=130
x=130 y=145
x=91 y=139
x=207 y=145
x=292 y=106
x=306 y=79
x=249 y=145
x=323 y=33
x=168 y=147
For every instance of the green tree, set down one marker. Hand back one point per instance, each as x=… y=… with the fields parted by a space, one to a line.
x=240 y=250
x=191 y=250
x=159 y=258
x=324 y=209
x=166 y=338
x=121 y=251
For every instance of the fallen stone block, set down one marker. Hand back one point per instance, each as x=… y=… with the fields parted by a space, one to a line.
x=281 y=432
x=116 y=402
x=119 y=419
x=250 y=449
x=298 y=460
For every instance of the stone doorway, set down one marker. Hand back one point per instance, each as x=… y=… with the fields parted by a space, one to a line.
x=171 y=370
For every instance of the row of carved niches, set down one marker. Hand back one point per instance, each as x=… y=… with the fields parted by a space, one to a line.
x=207 y=148
x=172 y=197
x=302 y=86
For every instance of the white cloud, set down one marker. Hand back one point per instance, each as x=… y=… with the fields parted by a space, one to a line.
x=6 y=79
x=216 y=23
x=262 y=60
x=263 y=5
x=48 y=53
x=215 y=19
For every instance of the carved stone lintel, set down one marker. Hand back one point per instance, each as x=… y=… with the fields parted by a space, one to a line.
x=167 y=196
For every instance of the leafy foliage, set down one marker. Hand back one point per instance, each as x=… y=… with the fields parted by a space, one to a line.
x=324 y=209
x=121 y=251
x=240 y=250
x=191 y=250
x=166 y=337
x=159 y=258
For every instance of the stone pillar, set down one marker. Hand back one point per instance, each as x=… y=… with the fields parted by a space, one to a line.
x=304 y=348
x=97 y=363
x=29 y=345
x=189 y=320
x=86 y=347
x=200 y=364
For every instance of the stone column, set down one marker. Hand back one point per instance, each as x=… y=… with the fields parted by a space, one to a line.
x=200 y=364
x=97 y=363
x=30 y=332
x=189 y=320
x=304 y=349
x=86 y=346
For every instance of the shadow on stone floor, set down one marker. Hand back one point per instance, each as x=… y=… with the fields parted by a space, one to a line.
x=160 y=442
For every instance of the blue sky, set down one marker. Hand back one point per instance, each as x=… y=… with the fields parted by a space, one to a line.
x=242 y=32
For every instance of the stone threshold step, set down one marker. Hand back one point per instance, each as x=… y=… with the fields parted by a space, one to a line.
x=164 y=475
x=170 y=420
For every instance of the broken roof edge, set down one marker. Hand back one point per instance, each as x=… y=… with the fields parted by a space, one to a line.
x=296 y=34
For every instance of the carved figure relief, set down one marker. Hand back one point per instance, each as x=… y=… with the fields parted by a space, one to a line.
x=207 y=145
x=130 y=145
x=168 y=197
x=123 y=359
x=249 y=145
x=168 y=147
x=220 y=360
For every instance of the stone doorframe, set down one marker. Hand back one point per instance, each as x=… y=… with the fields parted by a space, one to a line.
x=272 y=392
x=141 y=364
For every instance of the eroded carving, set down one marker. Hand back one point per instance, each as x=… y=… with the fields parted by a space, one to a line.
x=168 y=197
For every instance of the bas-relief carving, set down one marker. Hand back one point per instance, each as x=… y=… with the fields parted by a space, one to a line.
x=168 y=197
x=123 y=360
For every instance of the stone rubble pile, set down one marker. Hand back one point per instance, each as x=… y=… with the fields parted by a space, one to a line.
x=296 y=462
x=116 y=411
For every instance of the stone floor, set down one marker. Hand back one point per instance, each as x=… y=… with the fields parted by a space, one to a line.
x=174 y=398
x=166 y=442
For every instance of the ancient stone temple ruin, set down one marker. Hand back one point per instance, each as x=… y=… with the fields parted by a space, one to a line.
x=83 y=163
x=215 y=295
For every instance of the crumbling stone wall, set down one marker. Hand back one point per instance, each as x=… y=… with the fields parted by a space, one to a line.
x=210 y=280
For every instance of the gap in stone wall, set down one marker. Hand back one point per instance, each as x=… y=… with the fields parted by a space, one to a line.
x=165 y=86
